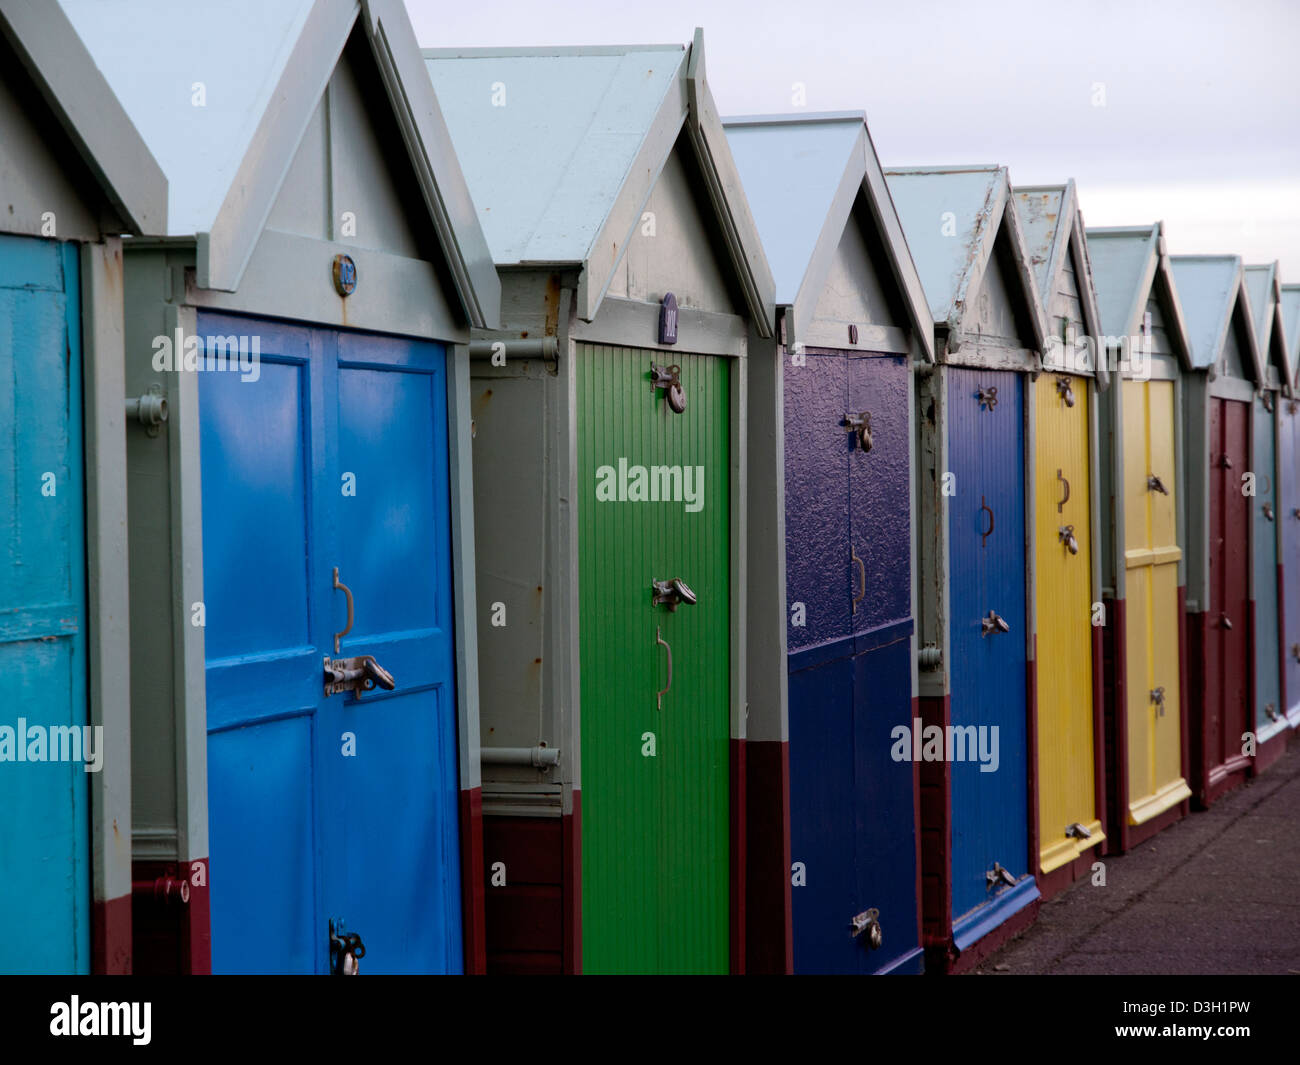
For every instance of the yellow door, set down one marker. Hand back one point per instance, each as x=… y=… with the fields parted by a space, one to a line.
x=1063 y=491
x=1151 y=555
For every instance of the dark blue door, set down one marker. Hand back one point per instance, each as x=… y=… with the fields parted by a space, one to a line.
x=329 y=807
x=847 y=558
x=986 y=530
x=44 y=802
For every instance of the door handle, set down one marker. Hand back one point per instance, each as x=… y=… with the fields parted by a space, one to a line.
x=1066 y=498
x=993 y=622
x=985 y=507
x=862 y=570
x=1066 y=534
x=659 y=696
x=1155 y=484
x=340 y=586
x=670 y=593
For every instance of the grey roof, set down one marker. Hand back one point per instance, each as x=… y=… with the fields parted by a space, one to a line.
x=560 y=167
x=90 y=114
x=1265 y=290
x=1212 y=288
x=1129 y=265
x=1053 y=231
x=1289 y=304
x=263 y=68
x=802 y=176
x=974 y=201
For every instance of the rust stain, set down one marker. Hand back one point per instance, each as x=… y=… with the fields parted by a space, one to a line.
x=552 y=304
x=480 y=404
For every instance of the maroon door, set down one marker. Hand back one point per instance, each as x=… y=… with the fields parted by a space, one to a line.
x=1228 y=650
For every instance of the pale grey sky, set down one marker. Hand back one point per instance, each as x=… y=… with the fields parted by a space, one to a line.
x=1186 y=110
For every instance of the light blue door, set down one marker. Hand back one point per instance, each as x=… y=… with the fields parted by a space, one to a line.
x=1270 y=714
x=44 y=804
x=329 y=807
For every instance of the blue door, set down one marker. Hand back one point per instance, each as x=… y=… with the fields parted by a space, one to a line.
x=847 y=559
x=1269 y=712
x=986 y=530
x=326 y=500
x=44 y=803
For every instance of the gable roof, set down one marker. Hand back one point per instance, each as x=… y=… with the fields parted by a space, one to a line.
x=802 y=177
x=263 y=69
x=1265 y=290
x=1053 y=230
x=561 y=173
x=1129 y=263
x=1289 y=305
x=92 y=117
x=1212 y=289
x=952 y=266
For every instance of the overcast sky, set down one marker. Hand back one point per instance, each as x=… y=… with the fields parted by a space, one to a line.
x=1186 y=110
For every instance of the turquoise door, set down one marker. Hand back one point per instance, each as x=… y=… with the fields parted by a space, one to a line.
x=1270 y=714
x=44 y=803
x=326 y=511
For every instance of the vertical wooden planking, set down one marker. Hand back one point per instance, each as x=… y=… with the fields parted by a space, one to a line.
x=1289 y=516
x=1265 y=516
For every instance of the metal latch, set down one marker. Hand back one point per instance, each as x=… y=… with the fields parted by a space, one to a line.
x=1270 y=712
x=998 y=875
x=672 y=592
x=993 y=622
x=1225 y=462
x=1077 y=831
x=1158 y=698
x=860 y=424
x=868 y=923
x=670 y=378
x=356 y=675
x=1065 y=389
x=1225 y=622
x=346 y=949
x=1155 y=484
x=1066 y=534
x=1267 y=400
x=1268 y=511
x=988 y=397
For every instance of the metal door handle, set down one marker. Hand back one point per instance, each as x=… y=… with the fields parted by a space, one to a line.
x=989 y=532
x=1066 y=498
x=1066 y=535
x=340 y=586
x=993 y=622
x=659 y=697
x=862 y=569
x=1155 y=484
x=671 y=592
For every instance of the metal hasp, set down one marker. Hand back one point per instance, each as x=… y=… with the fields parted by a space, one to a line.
x=1225 y=622
x=1270 y=711
x=1066 y=534
x=988 y=397
x=992 y=622
x=150 y=410
x=1158 y=698
x=672 y=592
x=1155 y=484
x=1077 y=831
x=1225 y=463
x=1267 y=399
x=1268 y=512
x=860 y=424
x=346 y=950
x=670 y=378
x=998 y=875
x=357 y=675
x=1065 y=389
x=867 y=925
x=659 y=695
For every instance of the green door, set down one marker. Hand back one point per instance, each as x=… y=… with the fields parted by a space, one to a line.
x=655 y=505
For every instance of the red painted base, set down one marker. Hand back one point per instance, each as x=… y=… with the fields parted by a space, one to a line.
x=944 y=960
x=739 y=850
x=522 y=870
x=769 y=932
x=1139 y=834
x=936 y=838
x=1060 y=878
x=471 y=881
x=1271 y=750
x=110 y=931
x=170 y=937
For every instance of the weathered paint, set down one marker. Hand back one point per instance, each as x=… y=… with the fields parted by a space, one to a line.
x=1063 y=590
x=341 y=446
x=45 y=833
x=1153 y=618
x=852 y=806
x=655 y=844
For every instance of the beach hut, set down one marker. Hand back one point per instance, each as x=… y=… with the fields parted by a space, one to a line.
x=1146 y=348
x=303 y=644
x=74 y=177
x=1066 y=660
x=975 y=551
x=1227 y=369
x=1268 y=713
x=612 y=485
x=851 y=320
x=1288 y=462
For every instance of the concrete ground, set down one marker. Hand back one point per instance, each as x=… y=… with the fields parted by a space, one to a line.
x=1217 y=893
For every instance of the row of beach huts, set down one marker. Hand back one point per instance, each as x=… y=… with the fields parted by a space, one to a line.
x=480 y=510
